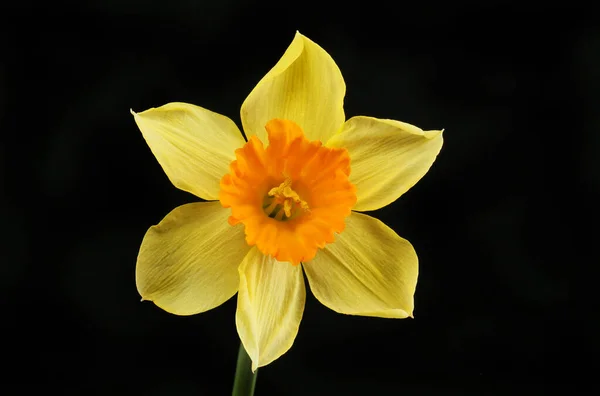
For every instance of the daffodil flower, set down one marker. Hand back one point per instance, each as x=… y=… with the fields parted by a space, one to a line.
x=283 y=205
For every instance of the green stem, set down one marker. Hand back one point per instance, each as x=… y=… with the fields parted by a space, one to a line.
x=245 y=380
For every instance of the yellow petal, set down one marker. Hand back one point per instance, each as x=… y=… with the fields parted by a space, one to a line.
x=369 y=270
x=305 y=86
x=270 y=305
x=387 y=158
x=193 y=145
x=188 y=263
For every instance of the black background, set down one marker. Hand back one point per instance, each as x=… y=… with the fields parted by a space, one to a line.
x=504 y=223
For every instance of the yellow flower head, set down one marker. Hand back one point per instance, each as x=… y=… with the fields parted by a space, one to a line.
x=282 y=205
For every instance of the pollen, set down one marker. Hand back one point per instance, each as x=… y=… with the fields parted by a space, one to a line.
x=292 y=196
x=283 y=203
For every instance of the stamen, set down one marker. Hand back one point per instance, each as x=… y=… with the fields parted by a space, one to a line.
x=270 y=208
x=285 y=196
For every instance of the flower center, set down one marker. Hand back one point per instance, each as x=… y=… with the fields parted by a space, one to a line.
x=282 y=203
x=292 y=196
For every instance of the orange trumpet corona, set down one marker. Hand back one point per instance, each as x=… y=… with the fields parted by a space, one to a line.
x=292 y=196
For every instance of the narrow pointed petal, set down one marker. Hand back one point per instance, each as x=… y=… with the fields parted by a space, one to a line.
x=387 y=157
x=188 y=263
x=193 y=145
x=369 y=270
x=305 y=86
x=270 y=305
